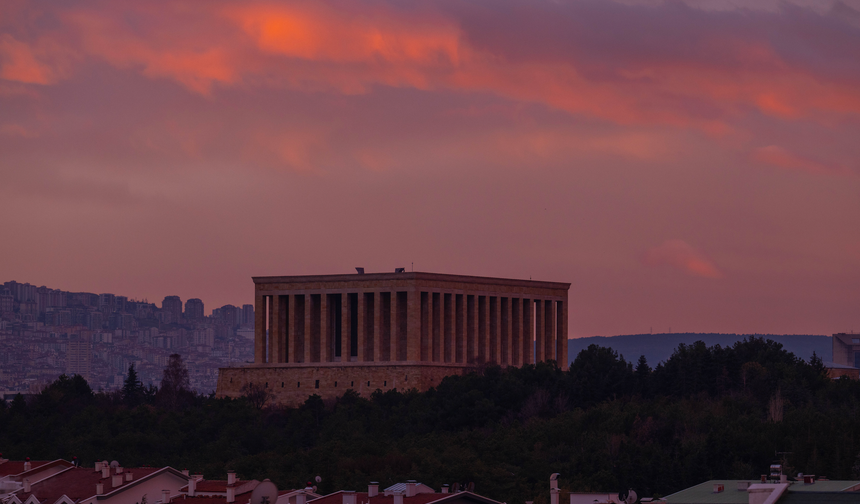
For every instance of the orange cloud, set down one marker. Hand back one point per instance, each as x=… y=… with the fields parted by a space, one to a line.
x=680 y=255
x=18 y=62
x=777 y=156
x=352 y=47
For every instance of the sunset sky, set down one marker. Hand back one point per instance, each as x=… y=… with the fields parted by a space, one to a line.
x=693 y=166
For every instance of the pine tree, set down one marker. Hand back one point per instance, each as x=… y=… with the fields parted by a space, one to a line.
x=132 y=388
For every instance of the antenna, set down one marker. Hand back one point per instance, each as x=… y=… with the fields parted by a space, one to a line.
x=265 y=493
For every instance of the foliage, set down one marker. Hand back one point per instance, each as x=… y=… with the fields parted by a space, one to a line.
x=606 y=424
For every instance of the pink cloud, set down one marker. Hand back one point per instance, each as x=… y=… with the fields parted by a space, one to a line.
x=681 y=255
x=774 y=155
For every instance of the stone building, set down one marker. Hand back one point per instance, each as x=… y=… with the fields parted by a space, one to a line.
x=324 y=334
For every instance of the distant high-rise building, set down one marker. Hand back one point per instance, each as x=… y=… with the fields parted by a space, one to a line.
x=7 y=301
x=228 y=314
x=247 y=314
x=79 y=355
x=95 y=320
x=194 y=310
x=173 y=306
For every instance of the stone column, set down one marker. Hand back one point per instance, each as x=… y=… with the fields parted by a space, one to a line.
x=540 y=333
x=292 y=333
x=308 y=328
x=471 y=328
x=259 y=328
x=426 y=334
x=528 y=333
x=271 y=342
x=326 y=331
x=484 y=328
x=377 y=325
x=549 y=329
x=277 y=331
x=505 y=331
x=396 y=342
x=413 y=329
x=362 y=336
x=496 y=330
x=561 y=337
x=516 y=332
x=345 y=328
x=459 y=328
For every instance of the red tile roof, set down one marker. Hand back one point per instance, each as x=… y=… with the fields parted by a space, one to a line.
x=362 y=498
x=79 y=483
x=12 y=467
x=217 y=485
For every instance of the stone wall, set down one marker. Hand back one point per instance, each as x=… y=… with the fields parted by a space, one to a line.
x=292 y=385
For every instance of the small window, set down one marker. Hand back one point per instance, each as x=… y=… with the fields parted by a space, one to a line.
x=407 y=378
x=231 y=380
x=282 y=384
x=317 y=384
x=267 y=385
x=855 y=341
x=352 y=384
x=298 y=384
x=385 y=383
x=368 y=383
x=335 y=384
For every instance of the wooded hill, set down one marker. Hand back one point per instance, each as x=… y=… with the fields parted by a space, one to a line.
x=605 y=425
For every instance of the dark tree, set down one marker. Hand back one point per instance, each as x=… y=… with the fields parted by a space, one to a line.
x=132 y=388
x=175 y=390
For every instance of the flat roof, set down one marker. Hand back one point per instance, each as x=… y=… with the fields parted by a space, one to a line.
x=704 y=492
x=410 y=275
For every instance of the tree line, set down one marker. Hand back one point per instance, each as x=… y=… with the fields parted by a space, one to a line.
x=606 y=424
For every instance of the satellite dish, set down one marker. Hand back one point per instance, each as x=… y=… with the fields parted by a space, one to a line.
x=631 y=497
x=114 y=464
x=318 y=479
x=265 y=493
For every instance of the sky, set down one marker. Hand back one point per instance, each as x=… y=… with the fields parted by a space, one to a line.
x=686 y=166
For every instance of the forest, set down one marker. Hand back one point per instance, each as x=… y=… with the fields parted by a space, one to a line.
x=605 y=424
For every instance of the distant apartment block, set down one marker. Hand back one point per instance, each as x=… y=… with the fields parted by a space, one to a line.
x=172 y=308
x=194 y=310
x=79 y=356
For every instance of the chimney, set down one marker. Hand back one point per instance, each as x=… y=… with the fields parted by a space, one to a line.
x=129 y=476
x=26 y=485
x=783 y=478
x=231 y=494
x=231 y=477
x=186 y=472
x=444 y=489
x=764 y=478
x=27 y=465
x=118 y=470
x=348 y=497
x=373 y=489
x=105 y=471
x=301 y=498
x=743 y=486
x=192 y=487
x=719 y=487
x=116 y=480
x=398 y=498
x=808 y=479
x=100 y=489
x=165 y=496
x=98 y=466
x=410 y=488
x=553 y=496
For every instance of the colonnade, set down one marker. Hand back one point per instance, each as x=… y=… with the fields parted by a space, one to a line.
x=412 y=326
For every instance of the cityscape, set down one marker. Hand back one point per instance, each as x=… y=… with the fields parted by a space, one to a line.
x=46 y=332
x=444 y=252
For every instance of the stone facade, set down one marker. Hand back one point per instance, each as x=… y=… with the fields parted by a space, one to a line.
x=394 y=330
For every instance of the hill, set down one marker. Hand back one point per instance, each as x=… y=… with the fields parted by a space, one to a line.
x=659 y=347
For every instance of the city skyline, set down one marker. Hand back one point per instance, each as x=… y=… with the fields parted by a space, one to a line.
x=686 y=166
